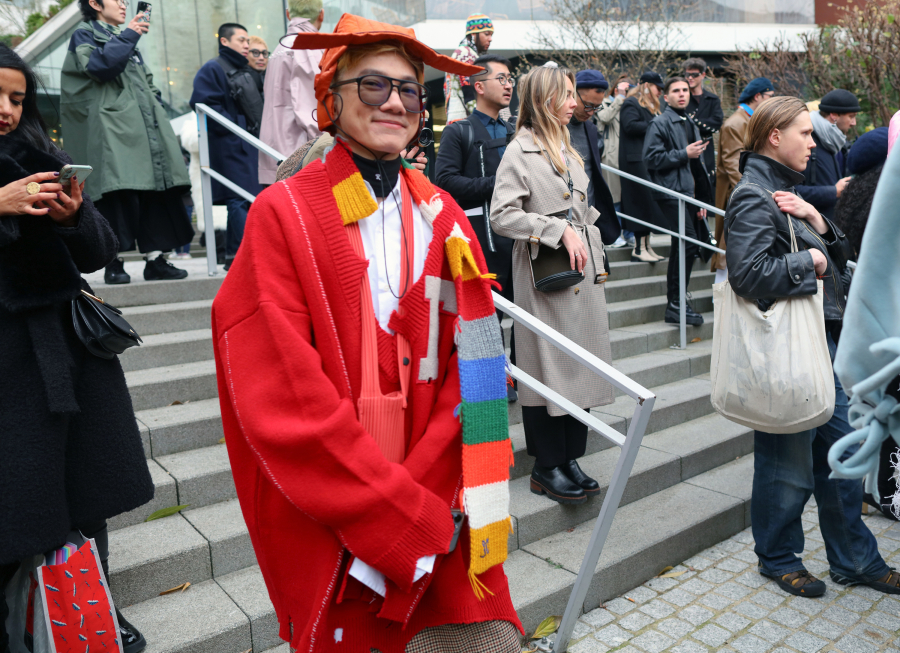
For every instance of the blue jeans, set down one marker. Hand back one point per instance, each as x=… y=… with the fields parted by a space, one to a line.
x=787 y=470
x=237 y=218
x=627 y=235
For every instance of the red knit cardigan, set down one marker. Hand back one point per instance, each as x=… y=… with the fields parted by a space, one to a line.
x=314 y=488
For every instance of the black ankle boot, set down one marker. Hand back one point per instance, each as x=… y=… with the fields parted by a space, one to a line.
x=132 y=639
x=115 y=273
x=582 y=480
x=159 y=269
x=673 y=314
x=556 y=485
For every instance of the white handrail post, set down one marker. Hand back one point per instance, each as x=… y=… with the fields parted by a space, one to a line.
x=682 y=290
x=206 y=188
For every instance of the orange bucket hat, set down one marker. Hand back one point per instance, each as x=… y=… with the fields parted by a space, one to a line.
x=354 y=30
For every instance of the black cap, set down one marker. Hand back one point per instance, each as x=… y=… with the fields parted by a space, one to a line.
x=839 y=101
x=651 y=77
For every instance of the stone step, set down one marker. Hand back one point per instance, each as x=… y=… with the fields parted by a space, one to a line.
x=173 y=429
x=666 y=458
x=156 y=387
x=169 y=349
x=149 y=558
x=647 y=535
x=202 y=476
x=653 y=309
x=222 y=524
x=169 y=318
x=137 y=257
x=165 y=496
x=141 y=293
x=618 y=290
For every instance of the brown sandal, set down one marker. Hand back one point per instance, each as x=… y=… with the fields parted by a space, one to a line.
x=801 y=583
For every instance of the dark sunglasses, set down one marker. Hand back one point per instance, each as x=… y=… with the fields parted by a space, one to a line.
x=262 y=53
x=375 y=90
x=692 y=75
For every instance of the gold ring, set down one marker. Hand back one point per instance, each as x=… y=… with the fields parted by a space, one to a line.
x=33 y=188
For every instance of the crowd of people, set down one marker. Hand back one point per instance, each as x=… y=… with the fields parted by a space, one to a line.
x=361 y=365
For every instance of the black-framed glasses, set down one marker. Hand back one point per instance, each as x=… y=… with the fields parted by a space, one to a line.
x=375 y=90
x=260 y=53
x=502 y=79
x=588 y=107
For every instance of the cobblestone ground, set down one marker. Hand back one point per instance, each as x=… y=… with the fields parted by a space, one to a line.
x=721 y=603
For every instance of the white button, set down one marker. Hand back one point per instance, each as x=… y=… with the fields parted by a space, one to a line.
x=797 y=277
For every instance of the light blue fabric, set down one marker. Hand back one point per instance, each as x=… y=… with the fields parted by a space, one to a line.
x=868 y=357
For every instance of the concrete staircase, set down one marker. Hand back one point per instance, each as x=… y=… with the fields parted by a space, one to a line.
x=689 y=490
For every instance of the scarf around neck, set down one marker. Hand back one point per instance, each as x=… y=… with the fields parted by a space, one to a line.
x=486 y=448
x=832 y=138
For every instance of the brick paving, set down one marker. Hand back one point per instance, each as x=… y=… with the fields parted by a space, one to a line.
x=722 y=604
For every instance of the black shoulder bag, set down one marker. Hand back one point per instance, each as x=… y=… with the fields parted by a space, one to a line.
x=101 y=327
x=552 y=270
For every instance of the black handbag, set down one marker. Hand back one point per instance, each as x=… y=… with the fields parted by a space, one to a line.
x=101 y=327
x=552 y=270
x=704 y=236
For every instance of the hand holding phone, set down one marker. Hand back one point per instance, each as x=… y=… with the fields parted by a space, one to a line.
x=144 y=8
x=69 y=171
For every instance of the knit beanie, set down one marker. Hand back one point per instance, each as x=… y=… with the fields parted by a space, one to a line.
x=868 y=151
x=478 y=23
x=840 y=101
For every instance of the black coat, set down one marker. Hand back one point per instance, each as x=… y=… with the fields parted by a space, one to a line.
x=666 y=158
x=761 y=265
x=229 y=155
x=707 y=115
x=636 y=199
x=822 y=173
x=70 y=451
x=608 y=222
x=459 y=173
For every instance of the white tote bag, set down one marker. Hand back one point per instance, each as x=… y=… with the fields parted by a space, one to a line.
x=771 y=371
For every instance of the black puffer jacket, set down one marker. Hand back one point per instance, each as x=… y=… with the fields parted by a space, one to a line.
x=761 y=265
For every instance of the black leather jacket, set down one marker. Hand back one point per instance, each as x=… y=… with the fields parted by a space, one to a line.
x=761 y=265
x=666 y=158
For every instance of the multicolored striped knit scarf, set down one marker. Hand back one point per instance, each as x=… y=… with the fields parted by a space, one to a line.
x=486 y=451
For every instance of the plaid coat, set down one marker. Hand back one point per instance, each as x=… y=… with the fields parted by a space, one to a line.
x=527 y=190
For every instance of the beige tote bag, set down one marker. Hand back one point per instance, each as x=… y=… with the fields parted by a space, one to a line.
x=771 y=371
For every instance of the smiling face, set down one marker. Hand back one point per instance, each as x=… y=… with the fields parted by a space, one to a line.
x=12 y=95
x=695 y=78
x=678 y=95
x=793 y=144
x=568 y=108
x=109 y=11
x=383 y=130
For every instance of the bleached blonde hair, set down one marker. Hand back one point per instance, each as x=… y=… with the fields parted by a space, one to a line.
x=542 y=95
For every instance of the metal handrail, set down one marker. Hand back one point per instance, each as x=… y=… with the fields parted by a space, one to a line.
x=682 y=200
x=207 y=174
x=630 y=443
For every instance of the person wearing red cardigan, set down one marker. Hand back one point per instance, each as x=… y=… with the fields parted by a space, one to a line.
x=362 y=380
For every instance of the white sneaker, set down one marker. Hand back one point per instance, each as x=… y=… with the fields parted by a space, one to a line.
x=620 y=242
x=179 y=256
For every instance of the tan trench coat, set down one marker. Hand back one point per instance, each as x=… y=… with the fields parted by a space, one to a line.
x=608 y=124
x=527 y=190
x=731 y=144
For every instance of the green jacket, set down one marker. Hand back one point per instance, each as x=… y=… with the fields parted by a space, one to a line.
x=112 y=119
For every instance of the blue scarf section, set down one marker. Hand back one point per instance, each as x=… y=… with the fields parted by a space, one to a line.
x=747 y=109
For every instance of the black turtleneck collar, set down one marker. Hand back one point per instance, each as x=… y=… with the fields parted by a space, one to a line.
x=770 y=169
x=381 y=175
x=235 y=58
x=680 y=112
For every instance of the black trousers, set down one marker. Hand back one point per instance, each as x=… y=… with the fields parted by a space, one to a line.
x=156 y=220
x=552 y=441
x=691 y=251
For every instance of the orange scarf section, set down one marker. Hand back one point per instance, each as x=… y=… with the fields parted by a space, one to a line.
x=383 y=416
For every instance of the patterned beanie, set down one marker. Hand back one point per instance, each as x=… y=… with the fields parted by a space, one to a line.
x=478 y=23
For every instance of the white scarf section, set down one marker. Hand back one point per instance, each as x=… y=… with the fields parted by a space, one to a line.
x=832 y=138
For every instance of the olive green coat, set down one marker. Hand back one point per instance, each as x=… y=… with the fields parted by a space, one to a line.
x=112 y=119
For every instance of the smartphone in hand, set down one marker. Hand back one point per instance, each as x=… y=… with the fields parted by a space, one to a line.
x=69 y=171
x=145 y=8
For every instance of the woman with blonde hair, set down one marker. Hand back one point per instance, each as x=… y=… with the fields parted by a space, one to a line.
x=763 y=211
x=638 y=109
x=540 y=199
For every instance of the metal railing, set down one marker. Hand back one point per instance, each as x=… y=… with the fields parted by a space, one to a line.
x=682 y=200
x=630 y=443
x=207 y=174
